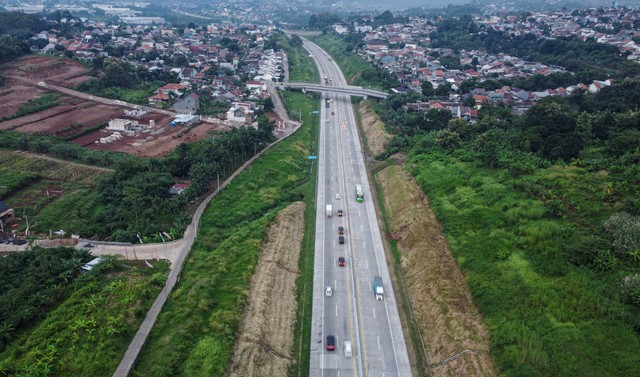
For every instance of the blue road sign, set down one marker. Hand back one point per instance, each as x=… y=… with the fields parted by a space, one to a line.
x=313 y=157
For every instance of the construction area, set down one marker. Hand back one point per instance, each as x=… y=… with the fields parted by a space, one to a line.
x=86 y=120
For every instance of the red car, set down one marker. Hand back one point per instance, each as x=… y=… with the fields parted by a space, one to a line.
x=331 y=343
x=340 y=230
x=341 y=262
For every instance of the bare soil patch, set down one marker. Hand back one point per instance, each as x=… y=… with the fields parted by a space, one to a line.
x=450 y=323
x=266 y=340
x=377 y=137
x=13 y=95
x=56 y=70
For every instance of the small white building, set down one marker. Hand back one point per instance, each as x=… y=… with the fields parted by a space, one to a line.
x=122 y=125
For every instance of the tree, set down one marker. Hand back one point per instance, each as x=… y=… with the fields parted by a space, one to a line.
x=443 y=89
x=427 y=89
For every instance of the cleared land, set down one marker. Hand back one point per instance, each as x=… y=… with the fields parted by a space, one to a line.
x=79 y=118
x=449 y=321
x=266 y=341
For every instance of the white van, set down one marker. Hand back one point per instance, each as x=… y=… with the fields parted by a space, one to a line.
x=347 y=348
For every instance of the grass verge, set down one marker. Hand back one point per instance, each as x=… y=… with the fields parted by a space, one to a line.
x=351 y=64
x=196 y=331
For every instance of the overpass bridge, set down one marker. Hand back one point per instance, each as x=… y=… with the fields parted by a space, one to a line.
x=343 y=89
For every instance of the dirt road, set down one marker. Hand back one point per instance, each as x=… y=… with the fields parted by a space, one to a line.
x=266 y=341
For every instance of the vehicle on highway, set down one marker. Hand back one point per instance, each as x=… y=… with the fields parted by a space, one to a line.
x=331 y=343
x=328 y=120
x=341 y=240
x=340 y=213
x=338 y=196
x=328 y=292
x=342 y=262
x=340 y=230
x=378 y=290
x=347 y=348
x=359 y=194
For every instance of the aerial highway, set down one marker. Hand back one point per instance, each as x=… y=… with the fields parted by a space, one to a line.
x=351 y=313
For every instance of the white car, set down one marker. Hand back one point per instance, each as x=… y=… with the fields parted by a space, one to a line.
x=338 y=196
x=328 y=292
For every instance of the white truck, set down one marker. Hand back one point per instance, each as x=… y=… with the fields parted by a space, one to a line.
x=329 y=210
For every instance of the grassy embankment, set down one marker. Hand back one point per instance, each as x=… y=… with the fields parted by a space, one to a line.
x=89 y=323
x=351 y=64
x=547 y=316
x=70 y=203
x=196 y=331
x=302 y=68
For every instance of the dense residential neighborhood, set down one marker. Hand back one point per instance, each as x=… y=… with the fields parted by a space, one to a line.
x=404 y=50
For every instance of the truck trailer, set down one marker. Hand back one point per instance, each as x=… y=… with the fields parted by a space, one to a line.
x=329 y=210
x=378 y=290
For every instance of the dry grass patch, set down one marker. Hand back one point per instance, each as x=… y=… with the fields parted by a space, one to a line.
x=377 y=137
x=450 y=323
x=266 y=341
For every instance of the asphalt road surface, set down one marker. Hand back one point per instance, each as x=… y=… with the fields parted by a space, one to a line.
x=352 y=313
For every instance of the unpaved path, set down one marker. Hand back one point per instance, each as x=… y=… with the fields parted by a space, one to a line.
x=66 y=163
x=265 y=344
x=453 y=331
x=377 y=137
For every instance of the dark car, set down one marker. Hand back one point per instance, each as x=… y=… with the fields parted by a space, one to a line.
x=340 y=213
x=340 y=230
x=341 y=262
x=331 y=343
x=341 y=240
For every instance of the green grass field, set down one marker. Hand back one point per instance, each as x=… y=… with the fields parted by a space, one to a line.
x=89 y=331
x=351 y=64
x=196 y=331
x=50 y=194
x=301 y=67
x=514 y=239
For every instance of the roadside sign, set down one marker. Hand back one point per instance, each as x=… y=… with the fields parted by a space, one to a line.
x=315 y=112
x=313 y=157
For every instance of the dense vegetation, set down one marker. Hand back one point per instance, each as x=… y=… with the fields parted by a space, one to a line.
x=122 y=81
x=15 y=28
x=32 y=281
x=542 y=214
x=90 y=318
x=196 y=331
x=135 y=198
